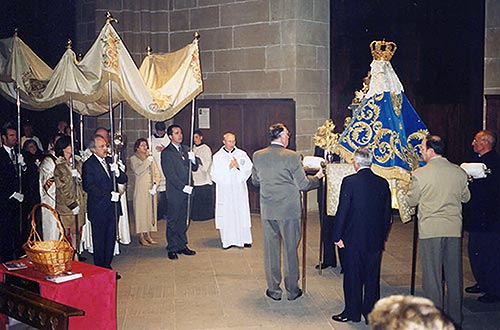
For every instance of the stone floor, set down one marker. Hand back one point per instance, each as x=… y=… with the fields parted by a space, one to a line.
x=224 y=289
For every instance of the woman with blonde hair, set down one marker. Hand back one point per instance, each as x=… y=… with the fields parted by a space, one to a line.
x=147 y=178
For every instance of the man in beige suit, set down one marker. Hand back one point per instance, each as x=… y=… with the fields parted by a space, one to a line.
x=279 y=174
x=439 y=189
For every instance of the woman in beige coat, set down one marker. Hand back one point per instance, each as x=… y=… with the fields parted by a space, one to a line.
x=70 y=197
x=147 y=178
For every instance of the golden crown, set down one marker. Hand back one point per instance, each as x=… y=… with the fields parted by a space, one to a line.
x=382 y=50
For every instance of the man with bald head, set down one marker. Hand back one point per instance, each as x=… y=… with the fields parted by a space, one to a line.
x=102 y=198
x=482 y=220
x=231 y=168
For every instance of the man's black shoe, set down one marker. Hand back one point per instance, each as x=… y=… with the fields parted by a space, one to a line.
x=297 y=296
x=247 y=245
x=187 y=251
x=473 y=289
x=172 y=255
x=273 y=298
x=341 y=318
x=228 y=247
x=324 y=266
x=488 y=298
x=118 y=276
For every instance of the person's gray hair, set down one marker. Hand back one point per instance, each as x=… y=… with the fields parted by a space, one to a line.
x=92 y=140
x=363 y=156
x=92 y=143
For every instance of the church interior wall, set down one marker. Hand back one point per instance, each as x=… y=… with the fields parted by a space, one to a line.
x=248 y=49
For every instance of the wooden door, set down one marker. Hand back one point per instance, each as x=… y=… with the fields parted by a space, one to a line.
x=249 y=119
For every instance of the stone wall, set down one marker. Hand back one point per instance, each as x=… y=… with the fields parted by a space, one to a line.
x=249 y=49
x=492 y=48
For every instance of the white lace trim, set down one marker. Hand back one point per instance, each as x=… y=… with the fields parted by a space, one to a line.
x=383 y=79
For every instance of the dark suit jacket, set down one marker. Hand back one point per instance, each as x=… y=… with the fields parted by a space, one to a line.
x=9 y=208
x=483 y=211
x=176 y=169
x=99 y=186
x=364 y=213
x=279 y=173
x=9 y=180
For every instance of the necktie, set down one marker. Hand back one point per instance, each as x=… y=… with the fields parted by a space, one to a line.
x=105 y=166
x=181 y=152
x=14 y=160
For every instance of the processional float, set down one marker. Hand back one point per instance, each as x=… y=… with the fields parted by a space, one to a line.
x=386 y=123
x=104 y=78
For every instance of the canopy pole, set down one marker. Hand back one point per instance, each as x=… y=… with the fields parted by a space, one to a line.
x=19 y=166
x=190 y=175
x=72 y=135
x=81 y=131
x=151 y=176
x=73 y=166
x=111 y=143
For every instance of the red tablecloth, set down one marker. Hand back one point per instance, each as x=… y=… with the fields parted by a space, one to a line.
x=95 y=293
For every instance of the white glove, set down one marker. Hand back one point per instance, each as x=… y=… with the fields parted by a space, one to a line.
x=188 y=190
x=115 y=196
x=18 y=196
x=20 y=160
x=75 y=174
x=76 y=210
x=121 y=165
x=153 y=189
x=191 y=156
x=114 y=168
x=150 y=159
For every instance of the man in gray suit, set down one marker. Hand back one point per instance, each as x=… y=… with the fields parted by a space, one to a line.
x=279 y=174
x=439 y=189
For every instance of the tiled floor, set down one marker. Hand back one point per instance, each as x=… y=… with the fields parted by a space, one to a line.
x=224 y=289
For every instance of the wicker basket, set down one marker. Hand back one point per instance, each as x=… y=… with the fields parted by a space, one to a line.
x=50 y=257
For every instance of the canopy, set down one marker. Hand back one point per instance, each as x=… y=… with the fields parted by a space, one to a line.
x=107 y=62
x=21 y=68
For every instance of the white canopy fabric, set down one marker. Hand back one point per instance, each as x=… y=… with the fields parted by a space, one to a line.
x=21 y=67
x=173 y=79
x=163 y=86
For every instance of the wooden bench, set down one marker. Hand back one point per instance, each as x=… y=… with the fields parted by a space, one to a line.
x=34 y=310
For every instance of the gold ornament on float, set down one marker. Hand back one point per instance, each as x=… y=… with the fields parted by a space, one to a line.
x=325 y=138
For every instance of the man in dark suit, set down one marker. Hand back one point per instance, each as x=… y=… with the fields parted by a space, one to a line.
x=482 y=220
x=280 y=175
x=362 y=225
x=175 y=163
x=103 y=199
x=10 y=197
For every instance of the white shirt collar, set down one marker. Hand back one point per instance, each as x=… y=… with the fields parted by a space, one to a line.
x=8 y=149
x=278 y=143
x=99 y=158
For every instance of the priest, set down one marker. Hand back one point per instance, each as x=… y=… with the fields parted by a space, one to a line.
x=231 y=169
